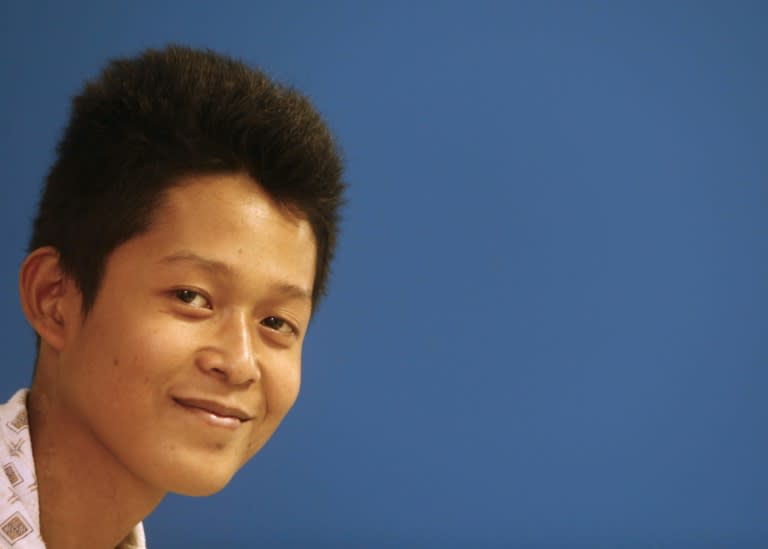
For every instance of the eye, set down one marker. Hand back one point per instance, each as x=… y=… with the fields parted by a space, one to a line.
x=193 y=298
x=279 y=325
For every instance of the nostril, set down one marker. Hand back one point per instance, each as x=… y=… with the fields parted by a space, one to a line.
x=218 y=371
x=234 y=368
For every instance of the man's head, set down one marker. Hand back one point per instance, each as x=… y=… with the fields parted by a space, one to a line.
x=149 y=121
x=183 y=239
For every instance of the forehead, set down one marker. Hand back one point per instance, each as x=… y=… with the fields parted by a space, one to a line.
x=233 y=191
x=230 y=220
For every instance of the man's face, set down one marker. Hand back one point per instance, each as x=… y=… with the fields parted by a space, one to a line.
x=191 y=354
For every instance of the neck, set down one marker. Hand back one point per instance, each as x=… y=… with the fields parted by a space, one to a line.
x=87 y=498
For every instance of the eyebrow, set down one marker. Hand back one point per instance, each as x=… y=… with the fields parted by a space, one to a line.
x=285 y=289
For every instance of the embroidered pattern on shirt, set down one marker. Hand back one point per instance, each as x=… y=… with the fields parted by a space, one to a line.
x=19 y=422
x=14 y=477
x=15 y=528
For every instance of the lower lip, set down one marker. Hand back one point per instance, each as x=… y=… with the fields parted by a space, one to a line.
x=210 y=418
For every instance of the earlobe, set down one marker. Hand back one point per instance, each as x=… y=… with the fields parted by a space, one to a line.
x=42 y=290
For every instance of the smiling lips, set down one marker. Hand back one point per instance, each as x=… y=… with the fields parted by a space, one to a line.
x=216 y=409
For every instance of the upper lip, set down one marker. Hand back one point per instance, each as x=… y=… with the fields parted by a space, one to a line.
x=214 y=407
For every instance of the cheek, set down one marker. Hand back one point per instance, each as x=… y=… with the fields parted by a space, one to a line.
x=128 y=359
x=282 y=387
x=292 y=391
x=157 y=344
x=280 y=392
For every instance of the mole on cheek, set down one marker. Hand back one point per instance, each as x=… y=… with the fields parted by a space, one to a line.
x=115 y=362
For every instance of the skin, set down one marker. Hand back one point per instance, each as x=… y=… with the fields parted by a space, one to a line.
x=208 y=308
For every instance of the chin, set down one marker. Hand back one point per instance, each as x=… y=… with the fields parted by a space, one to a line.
x=195 y=476
x=200 y=486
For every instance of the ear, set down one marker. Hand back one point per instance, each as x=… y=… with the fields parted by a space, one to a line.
x=46 y=295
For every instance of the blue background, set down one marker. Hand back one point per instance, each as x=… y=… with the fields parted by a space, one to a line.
x=547 y=322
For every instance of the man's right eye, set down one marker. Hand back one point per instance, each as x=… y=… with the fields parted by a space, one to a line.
x=193 y=298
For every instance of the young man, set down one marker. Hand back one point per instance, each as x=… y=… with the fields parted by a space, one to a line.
x=183 y=238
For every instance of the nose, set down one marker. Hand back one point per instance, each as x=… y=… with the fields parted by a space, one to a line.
x=232 y=355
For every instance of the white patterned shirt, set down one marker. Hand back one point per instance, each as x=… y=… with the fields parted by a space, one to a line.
x=19 y=510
